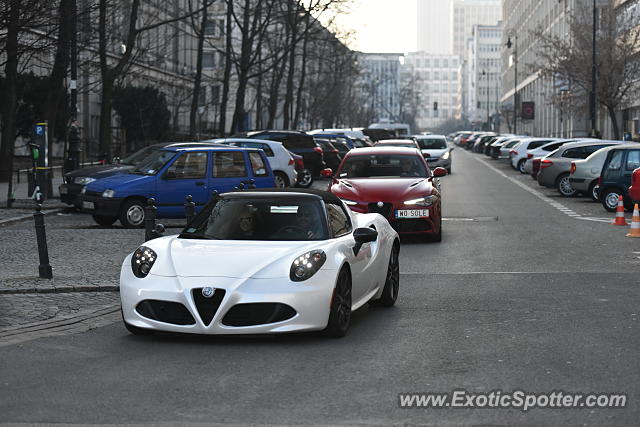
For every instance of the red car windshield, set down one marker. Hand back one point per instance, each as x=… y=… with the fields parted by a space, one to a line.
x=383 y=166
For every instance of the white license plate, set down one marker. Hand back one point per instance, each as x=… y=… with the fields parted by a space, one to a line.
x=64 y=190
x=88 y=205
x=412 y=213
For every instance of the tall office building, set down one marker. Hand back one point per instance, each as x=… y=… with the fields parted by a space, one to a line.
x=466 y=14
x=381 y=83
x=434 y=26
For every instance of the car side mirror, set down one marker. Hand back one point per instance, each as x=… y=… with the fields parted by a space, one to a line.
x=327 y=173
x=439 y=172
x=362 y=236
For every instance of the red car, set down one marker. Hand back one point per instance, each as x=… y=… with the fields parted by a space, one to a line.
x=394 y=182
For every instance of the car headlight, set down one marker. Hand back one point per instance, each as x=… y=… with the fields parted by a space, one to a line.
x=142 y=261
x=446 y=155
x=349 y=202
x=108 y=193
x=83 y=180
x=307 y=265
x=423 y=201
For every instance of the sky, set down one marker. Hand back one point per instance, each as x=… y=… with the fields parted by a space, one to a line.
x=382 y=25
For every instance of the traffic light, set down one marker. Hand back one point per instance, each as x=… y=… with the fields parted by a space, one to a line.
x=435 y=106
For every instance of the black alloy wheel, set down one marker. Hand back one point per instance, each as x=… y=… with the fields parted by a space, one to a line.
x=392 y=282
x=340 y=312
x=305 y=178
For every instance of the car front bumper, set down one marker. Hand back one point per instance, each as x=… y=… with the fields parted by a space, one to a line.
x=98 y=205
x=70 y=193
x=441 y=163
x=310 y=301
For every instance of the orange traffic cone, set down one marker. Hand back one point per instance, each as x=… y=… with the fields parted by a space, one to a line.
x=635 y=223
x=620 y=214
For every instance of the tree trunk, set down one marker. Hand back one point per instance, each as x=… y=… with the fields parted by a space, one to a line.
x=222 y=130
x=303 y=75
x=274 y=93
x=243 y=69
x=195 y=100
x=614 y=122
x=56 y=87
x=288 y=97
x=105 y=119
x=9 y=98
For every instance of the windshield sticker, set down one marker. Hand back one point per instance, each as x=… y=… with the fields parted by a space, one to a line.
x=284 y=209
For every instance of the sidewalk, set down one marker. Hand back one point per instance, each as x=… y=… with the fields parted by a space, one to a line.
x=35 y=285
x=20 y=190
x=24 y=207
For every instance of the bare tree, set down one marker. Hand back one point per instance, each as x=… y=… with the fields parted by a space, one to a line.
x=566 y=58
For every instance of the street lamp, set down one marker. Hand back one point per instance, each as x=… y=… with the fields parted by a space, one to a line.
x=515 y=85
x=592 y=98
x=485 y=77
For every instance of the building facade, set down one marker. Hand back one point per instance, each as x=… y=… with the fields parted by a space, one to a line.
x=484 y=84
x=381 y=82
x=438 y=79
x=434 y=26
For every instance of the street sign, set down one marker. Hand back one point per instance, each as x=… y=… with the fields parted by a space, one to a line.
x=528 y=111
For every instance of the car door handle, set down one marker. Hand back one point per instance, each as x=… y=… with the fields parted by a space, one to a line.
x=200 y=183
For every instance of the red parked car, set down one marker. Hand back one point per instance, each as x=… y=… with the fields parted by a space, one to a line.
x=394 y=182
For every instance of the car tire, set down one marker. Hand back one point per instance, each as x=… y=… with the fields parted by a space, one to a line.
x=392 y=282
x=340 y=311
x=521 y=166
x=105 y=221
x=132 y=213
x=305 y=178
x=564 y=186
x=281 y=180
x=594 y=189
x=609 y=199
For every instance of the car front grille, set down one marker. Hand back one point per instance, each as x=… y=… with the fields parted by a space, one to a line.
x=411 y=225
x=254 y=314
x=207 y=307
x=386 y=210
x=165 y=311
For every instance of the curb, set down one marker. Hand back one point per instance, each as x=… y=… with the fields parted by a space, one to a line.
x=60 y=289
x=27 y=217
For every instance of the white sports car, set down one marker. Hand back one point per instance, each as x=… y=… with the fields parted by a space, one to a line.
x=262 y=262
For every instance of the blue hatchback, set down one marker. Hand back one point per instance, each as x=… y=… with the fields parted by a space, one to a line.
x=169 y=175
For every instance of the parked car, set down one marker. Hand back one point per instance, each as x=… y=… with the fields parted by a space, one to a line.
x=555 y=167
x=584 y=175
x=435 y=150
x=394 y=182
x=279 y=158
x=615 y=177
x=504 y=150
x=305 y=179
x=518 y=153
x=297 y=142
x=170 y=174
x=498 y=141
x=351 y=140
x=542 y=151
x=478 y=146
x=74 y=181
x=331 y=154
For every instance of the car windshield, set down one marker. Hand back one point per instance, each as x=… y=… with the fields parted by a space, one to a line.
x=285 y=219
x=154 y=162
x=138 y=156
x=432 y=143
x=383 y=166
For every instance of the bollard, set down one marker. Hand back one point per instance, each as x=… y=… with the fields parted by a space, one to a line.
x=189 y=209
x=44 y=269
x=150 y=220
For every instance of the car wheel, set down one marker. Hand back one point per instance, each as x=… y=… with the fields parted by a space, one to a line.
x=610 y=198
x=594 y=189
x=564 y=186
x=392 y=283
x=105 y=221
x=521 y=166
x=305 y=179
x=281 y=180
x=132 y=213
x=340 y=312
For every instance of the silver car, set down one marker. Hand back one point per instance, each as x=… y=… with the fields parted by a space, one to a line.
x=435 y=150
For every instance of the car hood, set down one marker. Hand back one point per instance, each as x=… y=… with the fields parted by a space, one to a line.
x=386 y=190
x=114 y=182
x=435 y=152
x=227 y=258
x=99 y=171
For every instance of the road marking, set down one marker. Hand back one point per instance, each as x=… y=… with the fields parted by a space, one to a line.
x=559 y=206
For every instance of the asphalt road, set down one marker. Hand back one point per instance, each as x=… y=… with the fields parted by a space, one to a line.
x=519 y=295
